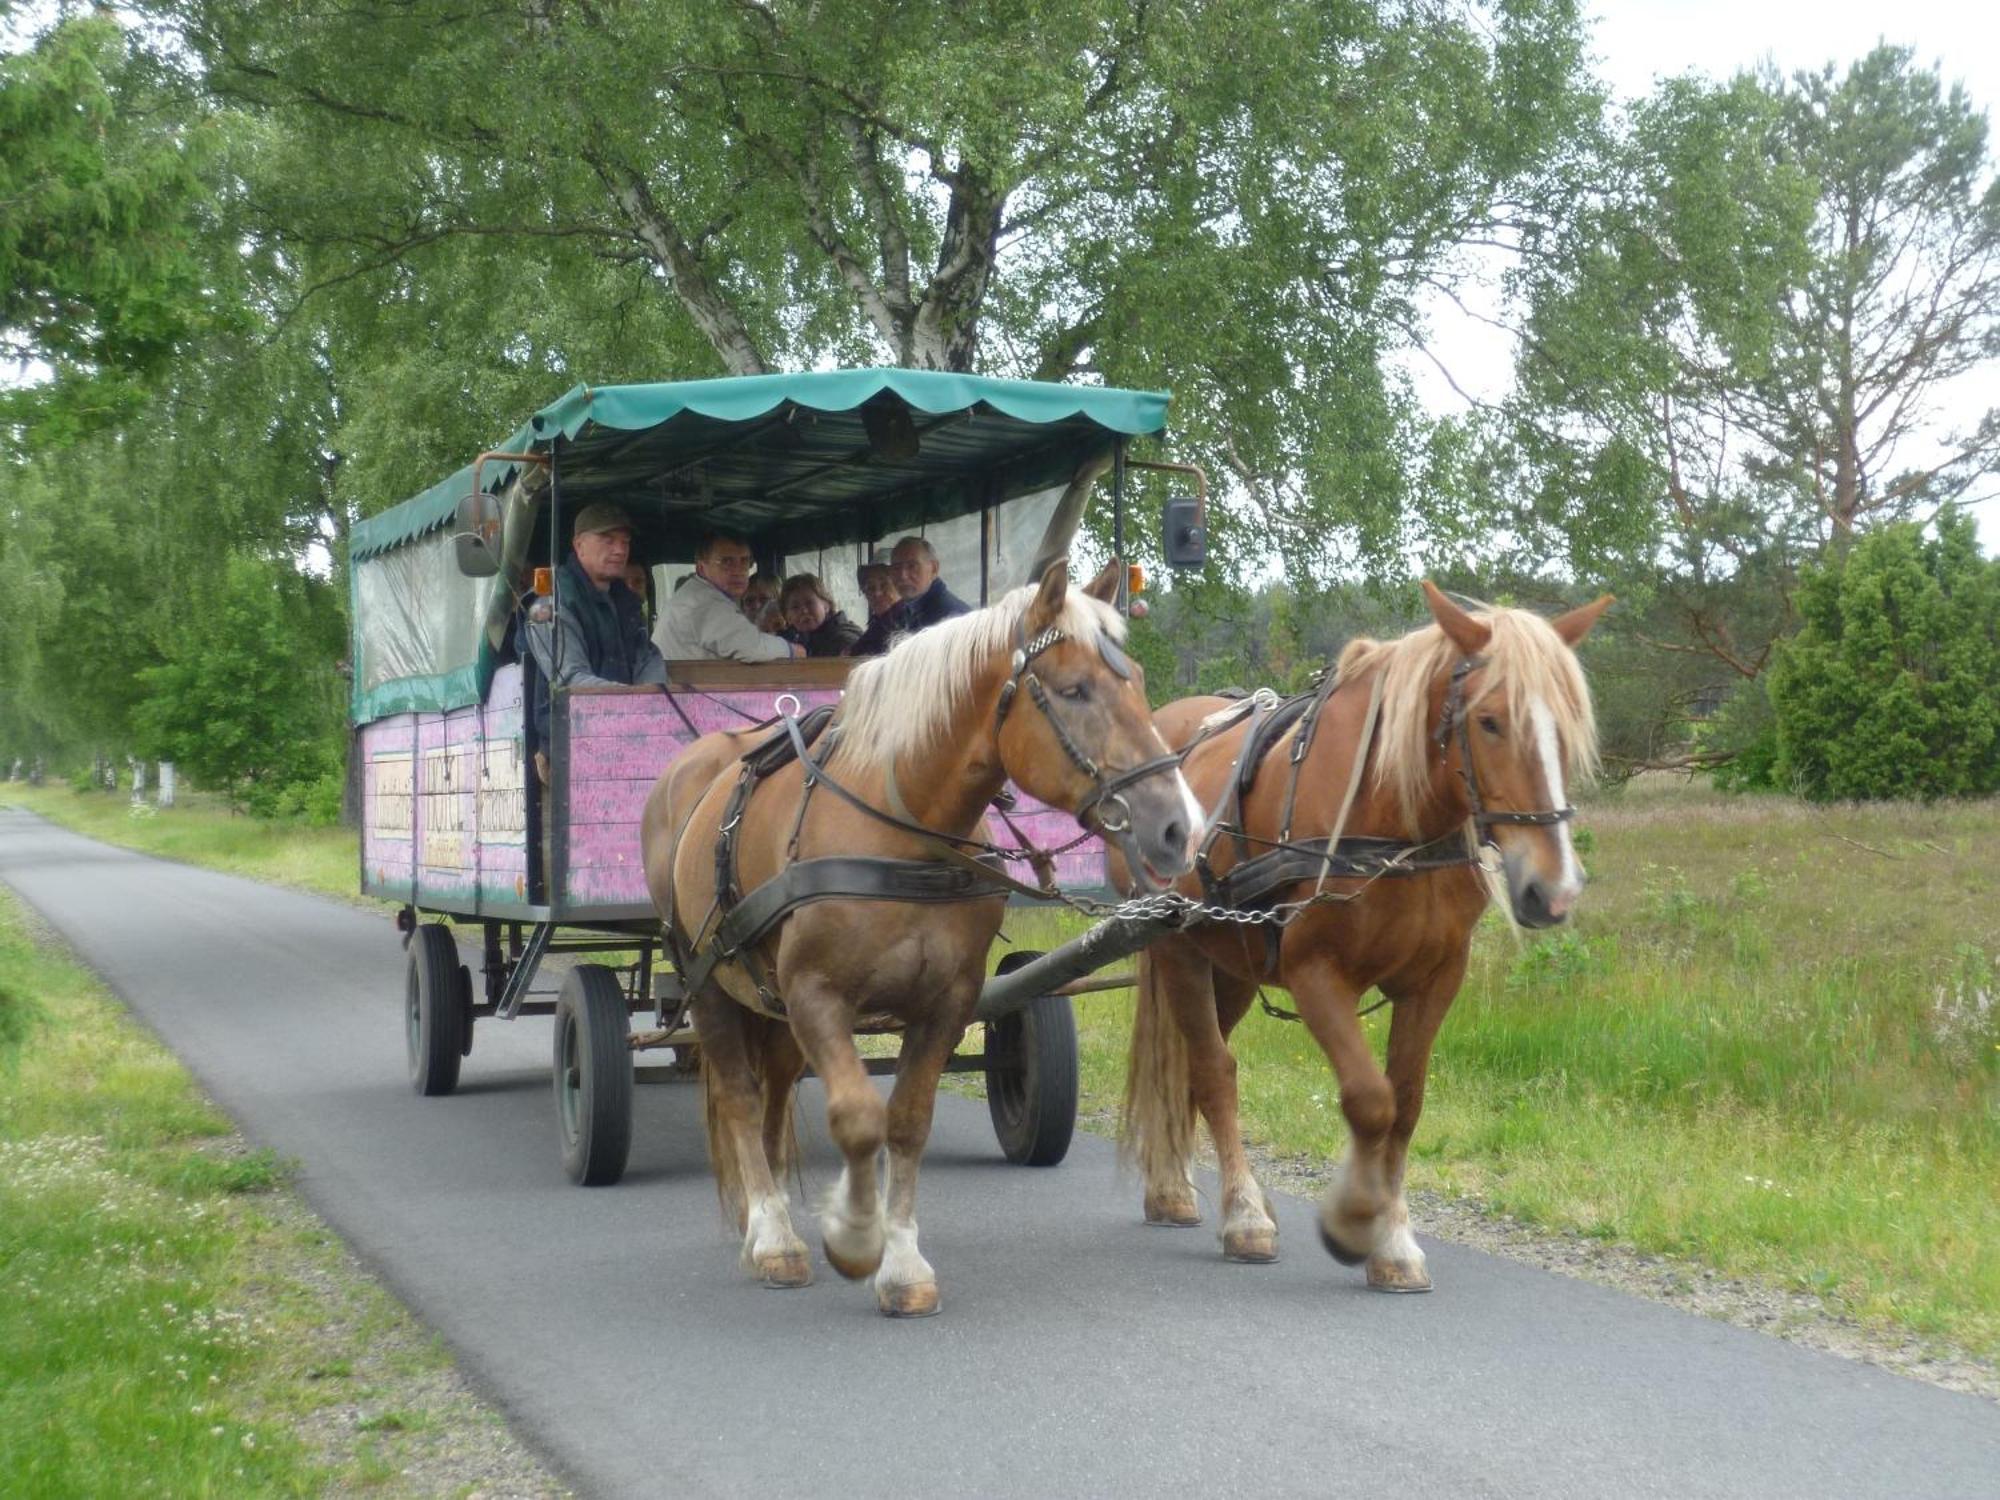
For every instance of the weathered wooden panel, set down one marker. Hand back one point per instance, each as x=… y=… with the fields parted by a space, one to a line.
x=389 y=805
x=446 y=784
x=502 y=824
x=619 y=743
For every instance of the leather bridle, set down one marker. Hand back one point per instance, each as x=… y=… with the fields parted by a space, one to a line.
x=1455 y=719
x=1107 y=789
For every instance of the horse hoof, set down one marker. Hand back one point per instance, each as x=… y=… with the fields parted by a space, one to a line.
x=792 y=1268
x=1339 y=1251
x=917 y=1301
x=1388 y=1276
x=1251 y=1247
x=1172 y=1213
x=853 y=1270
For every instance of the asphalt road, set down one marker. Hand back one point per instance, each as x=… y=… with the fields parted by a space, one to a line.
x=1078 y=1353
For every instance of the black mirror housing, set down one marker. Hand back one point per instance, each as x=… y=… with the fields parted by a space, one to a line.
x=1184 y=533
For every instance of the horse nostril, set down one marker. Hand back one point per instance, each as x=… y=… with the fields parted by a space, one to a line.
x=1533 y=905
x=1174 y=838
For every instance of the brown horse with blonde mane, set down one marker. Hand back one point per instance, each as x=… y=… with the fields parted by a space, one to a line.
x=1369 y=830
x=1036 y=688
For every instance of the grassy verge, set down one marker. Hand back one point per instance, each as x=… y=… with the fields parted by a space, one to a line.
x=1770 y=1041
x=175 y=1322
x=201 y=830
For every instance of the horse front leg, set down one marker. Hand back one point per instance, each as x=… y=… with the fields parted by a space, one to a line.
x=906 y=1286
x=850 y=1216
x=1396 y=1264
x=1354 y=1216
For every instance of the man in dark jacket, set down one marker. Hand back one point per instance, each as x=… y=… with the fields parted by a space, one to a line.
x=594 y=631
x=914 y=565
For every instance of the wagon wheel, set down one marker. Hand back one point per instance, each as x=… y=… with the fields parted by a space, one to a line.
x=437 y=1008
x=593 y=1076
x=1031 y=1075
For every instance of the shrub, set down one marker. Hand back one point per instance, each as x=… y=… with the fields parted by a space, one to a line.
x=1892 y=688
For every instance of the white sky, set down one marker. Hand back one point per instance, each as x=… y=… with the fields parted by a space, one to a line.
x=1638 y=42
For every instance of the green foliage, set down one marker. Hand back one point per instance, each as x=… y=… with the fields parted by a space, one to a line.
x=1735 y=339
x=101 y=262
x=247 y=701
x=1892 y=689
x=1745 y=733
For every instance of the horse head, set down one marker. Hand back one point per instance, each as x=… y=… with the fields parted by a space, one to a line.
x=1513 y=721
x=1073 y=728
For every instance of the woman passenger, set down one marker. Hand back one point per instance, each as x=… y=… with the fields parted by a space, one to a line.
x=811 y=619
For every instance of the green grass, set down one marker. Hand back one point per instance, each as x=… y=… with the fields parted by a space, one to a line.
x=173 y=1322
x=1760 y=1044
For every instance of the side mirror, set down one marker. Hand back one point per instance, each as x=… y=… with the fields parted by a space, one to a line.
x=1184 y=537
x=476 y=535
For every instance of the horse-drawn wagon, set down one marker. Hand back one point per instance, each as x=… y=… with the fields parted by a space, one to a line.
x=816 y=470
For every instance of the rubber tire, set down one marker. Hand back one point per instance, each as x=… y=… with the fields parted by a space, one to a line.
x=593 y=1063
x=1032 y=1076
x=434 y=1011
x=465 y=1009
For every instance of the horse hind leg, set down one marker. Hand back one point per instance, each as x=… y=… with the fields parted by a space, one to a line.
x=732 y=1054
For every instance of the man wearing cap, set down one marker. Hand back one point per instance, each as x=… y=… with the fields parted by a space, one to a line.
x=595 y=630
x=703 y=620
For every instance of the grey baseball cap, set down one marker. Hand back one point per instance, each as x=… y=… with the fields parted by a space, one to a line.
x=601 y=515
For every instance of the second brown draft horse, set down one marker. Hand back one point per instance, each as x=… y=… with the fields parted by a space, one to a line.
x=1362 y=833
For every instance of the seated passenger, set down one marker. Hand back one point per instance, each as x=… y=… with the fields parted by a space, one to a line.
x=704 y=619
x=759 y=602
x=878 y=587
x=926 y=600
x=812 y=621
x=595 y=630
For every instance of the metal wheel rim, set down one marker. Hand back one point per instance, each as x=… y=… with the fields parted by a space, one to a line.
x=568 y=1085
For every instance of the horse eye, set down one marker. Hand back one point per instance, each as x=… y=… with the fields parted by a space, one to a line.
x=1488 y=723
x=1076 y=692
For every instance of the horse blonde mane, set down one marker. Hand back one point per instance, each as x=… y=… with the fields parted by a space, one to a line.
x=897 y=706
x=1525 y=660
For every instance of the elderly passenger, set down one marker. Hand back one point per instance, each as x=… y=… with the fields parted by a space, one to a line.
x=926 y=600
x=878 y=587
x=705 y=619
x=594 y=630
x=811 y=618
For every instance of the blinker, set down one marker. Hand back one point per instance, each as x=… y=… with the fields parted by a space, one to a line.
x=1114 y=656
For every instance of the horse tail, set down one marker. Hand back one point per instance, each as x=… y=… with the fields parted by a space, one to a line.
x=1156 y=1128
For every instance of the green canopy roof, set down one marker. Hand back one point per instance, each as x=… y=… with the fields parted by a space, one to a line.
x=789 y=460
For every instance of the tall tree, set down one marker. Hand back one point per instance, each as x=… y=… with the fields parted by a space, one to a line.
x=1739 y=349
x=1242 y=200
x=101 y=178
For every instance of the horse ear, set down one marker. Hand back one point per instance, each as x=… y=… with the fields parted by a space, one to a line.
x=1048 y=601
x=1105 y=585
x=1575 y=625
x=1468 y=634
